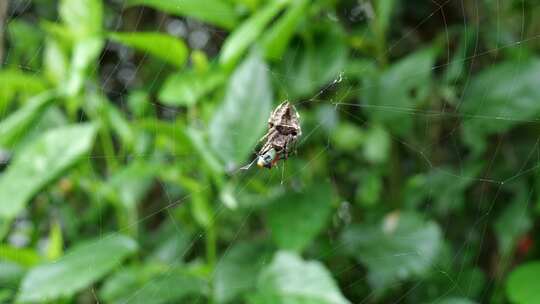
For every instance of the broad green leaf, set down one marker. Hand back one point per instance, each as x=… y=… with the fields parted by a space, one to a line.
x=295 y=218
x=501 y=97
x=318 y=64
x=5 y=295
x=85 y=52
x=236 y=269
x=444 y=186
x=369 y=188
x=126 y=281
x=14 y=126
x=153 y=286
x=401 y=247
x=172 y=249
x=41 y=163
x=276 y=39
x=165 y=47
x=83 y=17
x=290 y=280
x=377 y=144
x=348 y=137
x=394 y=93
x=211 y=160
x=82 y=265
x=55 y=62
x=244 y=35
x=131 y=183
x=241 y=119
x=17 y=82
x=10 y=275
x=51 y=118
x=522 y=284
x=22 y=256
x=178 y=285
x=187 y=87
x=216 y=12
x=25 y=43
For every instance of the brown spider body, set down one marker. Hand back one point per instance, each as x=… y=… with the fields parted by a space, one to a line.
x=283 y=130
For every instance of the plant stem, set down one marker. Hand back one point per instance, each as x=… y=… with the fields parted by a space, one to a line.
x=211 y=245
x=108 y=149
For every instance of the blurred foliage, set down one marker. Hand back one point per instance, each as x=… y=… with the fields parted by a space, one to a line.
x=123 y=125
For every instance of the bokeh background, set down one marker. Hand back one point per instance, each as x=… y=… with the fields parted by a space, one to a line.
x=123 y=125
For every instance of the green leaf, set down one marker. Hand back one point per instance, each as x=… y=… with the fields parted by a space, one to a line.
x=203 y=149
x=165 y=47
x=41 y=163
x=13 y=127
x=244 y=35
x=187 y=87
x=501 y=96
x=81 y=266
x=394 y=93
x=276 y=39
x=83 y=17
x=51 y=118
x=347 y=136
x=25 y=43
x=132 y=182
x=236 y=269
x=377 y=145
x=318 y=63
x=290 y=280
x=85 y=52
x=444 y=186
x=216 y=12
x=55 y=246
x=178 y=285
x=17 y=82
x=522 y=284
x=174 y=248
x=22 y=256
x=403 y=246
x=369 y=189
x=10 y=275
x=241 y=119
x=55 y=62
x=125 y=282
x=295 y=218
x=152 y=286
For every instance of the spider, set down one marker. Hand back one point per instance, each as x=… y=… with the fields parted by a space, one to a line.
x=283 y=130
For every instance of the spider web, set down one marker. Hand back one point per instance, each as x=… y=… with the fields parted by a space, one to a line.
x=345 y=109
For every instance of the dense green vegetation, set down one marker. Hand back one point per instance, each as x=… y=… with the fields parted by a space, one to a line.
x=124 y=125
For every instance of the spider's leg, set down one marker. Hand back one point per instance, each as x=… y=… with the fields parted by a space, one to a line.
x=246 y=167
x=264 y=136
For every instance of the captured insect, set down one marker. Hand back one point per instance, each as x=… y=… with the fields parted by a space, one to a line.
x=283 y=131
